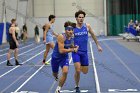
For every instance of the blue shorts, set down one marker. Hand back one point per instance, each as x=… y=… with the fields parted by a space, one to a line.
x=49 y=39
x=81 y=57
x=56 y=62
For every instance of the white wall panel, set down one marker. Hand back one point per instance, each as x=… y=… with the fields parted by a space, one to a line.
x=64 y=11
x=43 y=8
x=66 y=8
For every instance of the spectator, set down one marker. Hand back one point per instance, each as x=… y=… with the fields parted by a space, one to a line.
x=25 y=35
x=37 y=38
x=131 y=23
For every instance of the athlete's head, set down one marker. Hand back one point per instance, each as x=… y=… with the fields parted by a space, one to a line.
x=13 y=21
x=80 y=15
x=52 y=18
x=69 y=26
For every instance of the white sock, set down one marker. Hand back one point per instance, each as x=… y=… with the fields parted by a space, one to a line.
x=76 y=85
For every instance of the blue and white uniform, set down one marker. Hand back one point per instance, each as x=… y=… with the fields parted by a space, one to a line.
x=49 y=35
x=81 y=40
x=59 y=59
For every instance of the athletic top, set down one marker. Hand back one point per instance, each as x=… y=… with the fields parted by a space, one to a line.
x=67 y=44
x=11 y=37
x=81 y=37
x=50 y=31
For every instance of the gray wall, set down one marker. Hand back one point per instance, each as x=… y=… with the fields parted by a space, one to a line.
x=43 y=8
x=39 y=10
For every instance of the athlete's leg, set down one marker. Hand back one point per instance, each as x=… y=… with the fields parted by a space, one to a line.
x=84 y=69
x=77 y=65
x=16 y=57
x=16 y=53
x=51 y=45
x=8 y=57
x=9 y=54
x=64 y=76
x=55 y=76
x=77 y=73
x=46 y=52
x=84 y=63
x=55 y=67
x=64 y=66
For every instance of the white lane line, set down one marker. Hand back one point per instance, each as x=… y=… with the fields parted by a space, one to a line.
x=22 y=63
x=22 y=53
x=29 y=78
x=70 y=60
x=95 y=71
x=49 y=91
x=106 y=39
x=16 y=80
x=19 y=49
x=4 y=49
x=123 y=63
x=22 y=76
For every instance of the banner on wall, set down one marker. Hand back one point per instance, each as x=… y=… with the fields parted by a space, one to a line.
x=7 y=30
x=1 y=32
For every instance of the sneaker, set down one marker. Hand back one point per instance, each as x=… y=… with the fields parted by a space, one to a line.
x=9 y=64
x=47 y=63
x=77 y=89
x=43 y=62
x=17 y=63
x=57 y=91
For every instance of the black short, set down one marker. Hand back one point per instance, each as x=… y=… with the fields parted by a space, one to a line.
x=12 y=45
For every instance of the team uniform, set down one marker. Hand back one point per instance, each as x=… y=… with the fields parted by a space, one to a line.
x=59 y=59
x=81 y=40
x=49 y=35
x=12 y=43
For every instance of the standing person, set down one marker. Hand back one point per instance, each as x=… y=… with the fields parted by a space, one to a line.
x=25 y=35
x=13 y=42
x=48 y=37
x=37 y=38
x=80 y=58
x=60 y=57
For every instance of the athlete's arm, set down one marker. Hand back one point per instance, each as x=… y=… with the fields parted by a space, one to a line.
x=55 y=34
x=60 y=40
x=94 y=37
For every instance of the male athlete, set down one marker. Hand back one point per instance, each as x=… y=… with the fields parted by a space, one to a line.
x=63 y=46
x=80 y=58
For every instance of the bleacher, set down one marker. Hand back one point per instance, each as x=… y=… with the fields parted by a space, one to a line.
x=130 y=34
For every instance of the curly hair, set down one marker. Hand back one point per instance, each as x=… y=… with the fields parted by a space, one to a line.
x=69 y=23
x=80 y=12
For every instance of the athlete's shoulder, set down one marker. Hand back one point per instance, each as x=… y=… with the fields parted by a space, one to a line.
x=87 y=24
x=60 y=36
x=12 y=28
x=48 y=25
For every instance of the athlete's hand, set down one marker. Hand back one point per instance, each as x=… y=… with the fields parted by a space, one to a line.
x=99 y=48
x=76 y=48
x=72 y=46
x=17 y=44
x=44 y=41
